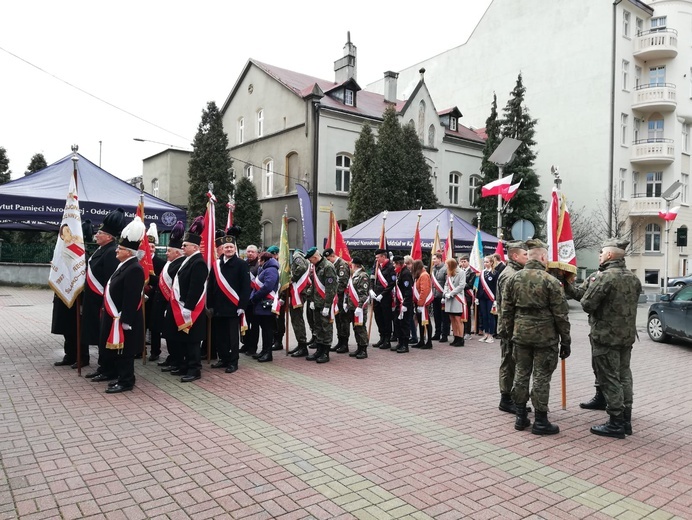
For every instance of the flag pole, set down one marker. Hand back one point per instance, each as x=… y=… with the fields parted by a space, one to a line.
x=377 y=268
x=78 y=302
x=144 y=301
x=475 y=307
x=287 y=303
x=563 y=365
x=207 y=253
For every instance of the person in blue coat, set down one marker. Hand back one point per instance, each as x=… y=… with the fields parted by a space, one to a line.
x=261 y=299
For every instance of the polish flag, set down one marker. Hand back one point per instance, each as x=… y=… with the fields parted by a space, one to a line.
x=497 y=187
x=511 y=191
x=500 y=250
x=670 y=214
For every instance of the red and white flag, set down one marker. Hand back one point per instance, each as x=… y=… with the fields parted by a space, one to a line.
x=497 y=187
x=500 y=250
x=670 y=214
x=561 y=252
x=416 y=250
x=335 y=239
x=510 y=192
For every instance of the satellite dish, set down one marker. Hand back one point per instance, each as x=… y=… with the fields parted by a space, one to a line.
x=522 y=230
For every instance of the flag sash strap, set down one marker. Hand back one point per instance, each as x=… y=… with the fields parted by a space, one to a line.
x=298 y=287
x=243 y=324
x=486 y=288
x=94 y=284
x=351 y=293
x=257 y=285
x=223 y=284
x=334 y=308
x=166 y=282
x=460 y=299
x=424 y=316
x=185 y=318
x=116 y=336
x=437 y=285
x=416 y=293
x=381 y=278
x=429 y=298
x=319 y=286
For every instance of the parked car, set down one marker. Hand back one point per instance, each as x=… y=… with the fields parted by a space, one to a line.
x=680 y=281
x=671 y=316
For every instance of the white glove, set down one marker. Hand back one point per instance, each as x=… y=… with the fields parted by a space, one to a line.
x=358 y=313
x=373 y=295
x=126 y=327
x=281 y=302
x=420 y=310
x=241 y=312
x=312 y=306
x=345 y=307
x=403 y=309
x=447 y=295
x=325 y=312
x=476 y=301
x=400 y=316
x=379 y=298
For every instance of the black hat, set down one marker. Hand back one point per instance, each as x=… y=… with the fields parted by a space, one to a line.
x=194 y=234
x=356 y=261
x=380 y=251
x=177 y=233
x=218 y=237
x=231 y=235
x=397 y=259
x=114 y=222
x=328 y=252
x=87 y=231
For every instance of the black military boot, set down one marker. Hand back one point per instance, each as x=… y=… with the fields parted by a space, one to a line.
x=354 y=354
x=362 y=353
x=522 y=419
x=300 y=351
x=506 y=404
x=386 y=345
x=403 y=347
x=541 y=424
x=420 y=343
x=627 y=420
x=317 y=353
x=597 y=402
x=379 y=343
x=342 y=346
x=312 y=343
x=322 y=354
x=614 y=427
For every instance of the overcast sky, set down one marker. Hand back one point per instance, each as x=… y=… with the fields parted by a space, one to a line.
x=153 y=65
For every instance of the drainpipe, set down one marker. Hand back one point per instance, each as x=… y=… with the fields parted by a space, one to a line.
x=611 y=175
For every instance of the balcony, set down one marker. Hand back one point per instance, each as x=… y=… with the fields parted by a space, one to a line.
x=655 y=98
x=656 y=45
x=653 y=151
x=642 y=206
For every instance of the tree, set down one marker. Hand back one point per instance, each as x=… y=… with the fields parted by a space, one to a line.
x=38 y=162
x=361 y=200
x=388 y=186
x=5 y=172
x=489 y=171
x=248 y=213
x=416 y=172
x=210 y=162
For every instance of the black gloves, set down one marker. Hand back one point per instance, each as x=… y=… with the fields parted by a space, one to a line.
x=565 y=351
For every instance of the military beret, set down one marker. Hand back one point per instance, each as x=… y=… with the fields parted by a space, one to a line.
x=619 y=243
x=328 y=252
x=536 y=243
x=298 y=252
x=397 y=258
x=356 y=261
x=273 y=250
x=310 y=252
x=516 y=244
x=380 y=251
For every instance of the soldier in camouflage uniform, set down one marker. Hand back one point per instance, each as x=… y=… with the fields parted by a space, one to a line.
x=611 y=302
x=535 y=318
x=517 y=255
x=325 y=282
x=300 y=268
x=343 y=273
x=356 y=298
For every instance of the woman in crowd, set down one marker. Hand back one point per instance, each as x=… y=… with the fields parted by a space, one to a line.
x=454 y=300
x=422 y=295
x=412 y=329
x=261 y=302
x=486 y=299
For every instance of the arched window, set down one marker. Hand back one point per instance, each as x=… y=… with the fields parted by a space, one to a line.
x=421 y=120
x=241 y=130
x=652 y=238
x=454 y=182
x=268 y=178
x=155 y=187
x=474 y=185
x=343 y=173
x=260 y=122
x=431 y=136
x=266 y=233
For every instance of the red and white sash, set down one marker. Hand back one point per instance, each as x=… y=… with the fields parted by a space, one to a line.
x=185 y=318
x=166 y=282
x=257 y=284
x=319 y=286
x=229 y=292
x=116 y=336
x=486 y=287
x=437 y=285
x=298 y=287
x=93 y=283
x=380 y=278
x=459 y=298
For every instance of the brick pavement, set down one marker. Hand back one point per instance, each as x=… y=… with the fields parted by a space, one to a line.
x=393 y=436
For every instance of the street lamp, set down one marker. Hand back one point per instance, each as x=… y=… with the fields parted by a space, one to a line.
x=668 y=197
x=501 y=157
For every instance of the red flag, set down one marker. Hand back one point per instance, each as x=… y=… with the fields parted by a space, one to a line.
x=383 y=238
x=335 y=239
x=416 y=251
x=510 y=192
x=146 y=262
x=449 y=245
x=670 y=214
x=208 y=247
x=497 y=187
x=561 y=252
x=500 y=250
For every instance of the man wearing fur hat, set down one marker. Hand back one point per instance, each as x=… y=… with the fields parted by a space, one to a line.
x=229 y=294
x=381 y=294
x=101 y=266
x=121 y=317
x=175 y=258
x=325 y=284
x=186 y=321
x=611 y=302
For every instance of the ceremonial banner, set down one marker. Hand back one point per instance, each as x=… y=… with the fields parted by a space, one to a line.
x=561 y=252
x=306 y=217
x=284 y=256
x=670 y=214
x=335 y=240
x=146 y=262
x=476 y=257
x=416 y=251
x=500 y=250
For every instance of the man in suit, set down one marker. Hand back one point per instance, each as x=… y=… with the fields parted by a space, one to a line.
x=381 y=294
x=153 y=316
x=100 y=267
x=175 y=258
x=468 y=291
x=121 y=315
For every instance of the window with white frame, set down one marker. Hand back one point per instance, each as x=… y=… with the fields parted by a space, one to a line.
x=657 y=75
x=454 y=183
x=623 y=181
x=684 y=188
x=623 y=129
x=260 y=122
x=654 y=183
x=343 y=173
x=453 y=124
x=474 y=185
x=348 y=97
x=685 y=138
x=431 y=136
x=241 y=130
x=155 y=187
x=659 y=23
x=635 y=184
x=626 y=24
x=640 y=26
x=655 y=129
x=248 y=171
x=636 y=129
x=268 y=183
x=637 y=76
x=625 y=74
x=652 y=238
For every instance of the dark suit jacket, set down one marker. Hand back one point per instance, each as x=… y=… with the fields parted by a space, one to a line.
x=237 y=274
x=191 y=278
x=102 y=264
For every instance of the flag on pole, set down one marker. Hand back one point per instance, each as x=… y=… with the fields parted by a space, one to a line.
x=416 y=251
x=146 y=262
x=671 y=214
x=383 y=237
x=449 y=245
x=500 y=250
x=231 y=209
x=436 y=245
x=476 y=257
x=561 y=252
x=208 y=247
x=68 y=266
x=284 y=256
x=511 y=192
x=335 y=239
x=497 y=187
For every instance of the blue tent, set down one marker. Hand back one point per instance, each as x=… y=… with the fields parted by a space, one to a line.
x=400 y=227
x=36 y=202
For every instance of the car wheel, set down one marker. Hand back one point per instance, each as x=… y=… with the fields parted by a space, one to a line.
x=655 y=329
x=679 y=284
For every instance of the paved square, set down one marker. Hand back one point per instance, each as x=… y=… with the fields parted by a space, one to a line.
x=413 y=435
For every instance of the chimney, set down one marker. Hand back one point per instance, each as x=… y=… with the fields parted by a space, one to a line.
x=390 y=86
x=345 y=68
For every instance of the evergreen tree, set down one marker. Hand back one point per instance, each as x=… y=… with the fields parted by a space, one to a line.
x=38 y=162
x=248 y=213
x=5 y=172
x=389 y=186
x=210 y=162
x=360 y=196
x=416 y=172
x=489 y=171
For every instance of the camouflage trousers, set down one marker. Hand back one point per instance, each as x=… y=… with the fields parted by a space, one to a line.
x=506 y=367
x=612 y=364
x=359 y=331
x=323 y=329
x=343 y=321
x=298 y=323
x=539 y=361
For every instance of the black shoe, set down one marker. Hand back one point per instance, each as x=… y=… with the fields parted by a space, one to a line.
x=257 y=355
x=91 y=375
x=165 y=363
x=116 y=389
x=458 y=342
x=242 y=350
x=189 y=379
x=343 y=349
x=443 y=339
x=362 y=354
x=299 y=348
x=219 y=364
x=138 y=355
x=354 y=354
x=420 y=344
x=231 y=368
x=102 y=377
x=154 y=357
x=597 y=402
x=522 y=420
x=542 y=426
x=627 y=420
x=323 y=354
x=177 y=372
x=300 y=351
x=84 y=364
x=436 y=337
x=266 y=357
x=402 y=349
x=277 y=346
x=427 y=346
x=614 y=427
x=112 y=384
x=506 y=404
x=250 y=352
x=167 y=369
x=62 y=363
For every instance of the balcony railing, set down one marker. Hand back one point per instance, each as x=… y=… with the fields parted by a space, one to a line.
x=659 y=97
x=642 y=206
x=656 y=44
x=656 y=150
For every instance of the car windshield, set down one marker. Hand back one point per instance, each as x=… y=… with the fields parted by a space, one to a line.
x=684 y=294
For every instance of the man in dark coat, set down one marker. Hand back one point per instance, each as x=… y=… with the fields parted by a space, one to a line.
x=385 y=280
x=101 y=266
x=175 y=258
x=121 y=315
x=251 y=336
x=153 y=314
x=229 y=293
x=404 y=304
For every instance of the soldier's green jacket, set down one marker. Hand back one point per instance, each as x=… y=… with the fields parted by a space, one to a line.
x=577 y=292
x=325 y=272
x=611 y=302
x=361 y=282
x=343 y=273
x=509 y=270
x=534 y=310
